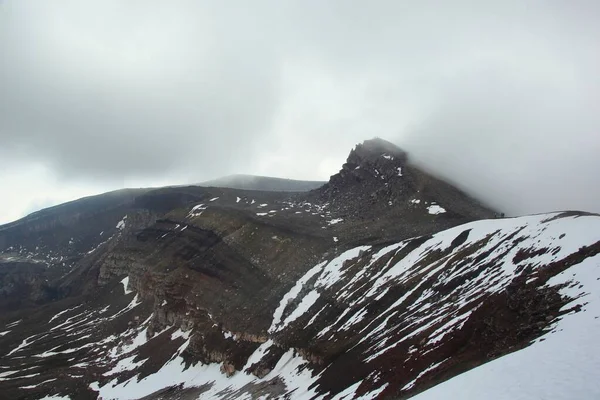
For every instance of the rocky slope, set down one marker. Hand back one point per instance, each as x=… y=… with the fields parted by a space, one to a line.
x=380 y=284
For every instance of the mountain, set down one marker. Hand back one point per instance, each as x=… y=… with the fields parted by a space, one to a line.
x=266 y=183
x=382 y=283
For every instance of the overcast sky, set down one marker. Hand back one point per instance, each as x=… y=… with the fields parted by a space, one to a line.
x=501 y=97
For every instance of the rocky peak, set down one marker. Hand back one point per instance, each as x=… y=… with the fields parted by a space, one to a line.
x=378 y=178
x=372 y=151
x=372 y=163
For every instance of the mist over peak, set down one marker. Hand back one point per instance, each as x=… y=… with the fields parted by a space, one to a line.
x=500 y=99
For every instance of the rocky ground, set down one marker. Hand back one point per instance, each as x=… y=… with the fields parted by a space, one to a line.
x=371 y=285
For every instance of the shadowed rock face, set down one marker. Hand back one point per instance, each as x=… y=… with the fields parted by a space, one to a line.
x=364 y=281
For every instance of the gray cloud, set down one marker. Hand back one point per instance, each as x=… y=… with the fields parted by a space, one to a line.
x=137 y=93
x=502 y=99
x=520 y=145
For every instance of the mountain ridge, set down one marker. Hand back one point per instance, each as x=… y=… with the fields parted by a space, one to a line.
x=264 y=183
x=205 y=292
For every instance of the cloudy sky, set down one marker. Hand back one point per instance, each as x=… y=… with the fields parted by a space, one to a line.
x=502 y=97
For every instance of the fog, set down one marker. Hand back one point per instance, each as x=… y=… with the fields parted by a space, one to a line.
x=501 y=99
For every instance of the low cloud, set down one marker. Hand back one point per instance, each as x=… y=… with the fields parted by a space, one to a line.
x=500 y=99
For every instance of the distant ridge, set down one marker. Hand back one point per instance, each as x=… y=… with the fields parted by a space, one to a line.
x=265 y=183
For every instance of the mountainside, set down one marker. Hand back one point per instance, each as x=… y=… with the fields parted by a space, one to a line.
x=380 y=284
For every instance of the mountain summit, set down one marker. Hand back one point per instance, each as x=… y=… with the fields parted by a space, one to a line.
x=372 y=149
x=379 y=182
x=375 y=158
x=379 y=284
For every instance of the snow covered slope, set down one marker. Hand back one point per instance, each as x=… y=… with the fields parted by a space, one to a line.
x=420 y=311
x=561 y=365
x=504 y=308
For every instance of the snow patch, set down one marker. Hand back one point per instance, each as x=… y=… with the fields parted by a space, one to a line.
x=121 y=224
x=292 y=294
x=126 y=364
x=125 y=282
x=13 y=324
x=196 y=211
x=434 y=209
x=307 y=302
x=180 y=334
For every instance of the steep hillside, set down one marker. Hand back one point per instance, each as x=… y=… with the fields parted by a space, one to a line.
x=380 y=284
x=374 y=321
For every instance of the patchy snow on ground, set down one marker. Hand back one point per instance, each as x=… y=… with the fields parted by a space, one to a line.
x=196 y=211
x=39 y=384
x=18 y=377
x=125 y=364
x=328 y=274
x=3 y=375
x=13 y=324
x=134 y=303
x=571 y=346
x=292 y=294
x=290 y=369
x=561 y=365
x=24 y=343
x=332 y=271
